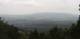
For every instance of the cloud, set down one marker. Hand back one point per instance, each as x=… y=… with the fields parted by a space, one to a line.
x=33 y=6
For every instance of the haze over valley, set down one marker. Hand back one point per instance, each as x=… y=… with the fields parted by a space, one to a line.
x=41 y=21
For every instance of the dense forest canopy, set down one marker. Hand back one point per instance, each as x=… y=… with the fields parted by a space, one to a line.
x=10 y=32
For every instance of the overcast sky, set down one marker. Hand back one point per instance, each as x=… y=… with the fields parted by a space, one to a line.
x=18 y=7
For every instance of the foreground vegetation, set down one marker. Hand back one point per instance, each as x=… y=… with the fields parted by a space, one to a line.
x=10 y=32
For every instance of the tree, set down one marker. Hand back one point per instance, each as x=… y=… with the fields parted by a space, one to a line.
x=34 y=34
x=8 y=31
x=56 y=33
x=75 y=30
x=42 y=35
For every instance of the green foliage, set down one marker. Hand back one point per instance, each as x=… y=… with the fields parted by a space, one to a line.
x=10 y=32
x=58 y=33
x=34 y=35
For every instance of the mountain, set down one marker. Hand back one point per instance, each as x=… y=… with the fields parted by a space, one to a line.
x=41 y=20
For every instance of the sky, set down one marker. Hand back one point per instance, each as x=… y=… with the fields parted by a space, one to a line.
x=19 y=7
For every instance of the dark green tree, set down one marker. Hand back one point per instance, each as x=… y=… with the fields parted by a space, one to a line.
x=42 y=36
x=75 y=30
x=56 y=33
x=34 y=34
x=8 y=31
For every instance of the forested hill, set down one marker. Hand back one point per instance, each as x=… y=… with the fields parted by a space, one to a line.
x=10 y=32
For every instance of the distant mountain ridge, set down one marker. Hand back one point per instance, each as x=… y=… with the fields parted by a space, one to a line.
x=41 y=20
x=41 y=16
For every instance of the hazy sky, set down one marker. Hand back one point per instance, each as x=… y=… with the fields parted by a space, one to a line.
x=17 y=7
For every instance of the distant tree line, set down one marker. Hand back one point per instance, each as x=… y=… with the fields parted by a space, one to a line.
x=58 y=33
x=10 y=32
